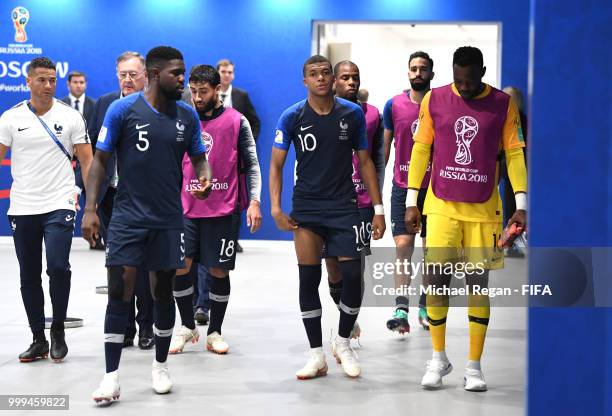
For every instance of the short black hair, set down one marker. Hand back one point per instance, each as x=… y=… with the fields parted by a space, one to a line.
x=468 y=56
x=424 y=55
x=161 y=54
x=76 y=74
x=345 y=62
x=205 y=73
x=42 y=62
x=315 y=59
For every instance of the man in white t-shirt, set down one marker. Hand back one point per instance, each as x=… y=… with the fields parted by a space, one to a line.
x=43 y=135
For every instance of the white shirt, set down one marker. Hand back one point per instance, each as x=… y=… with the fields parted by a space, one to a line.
x=43 y=178
x=81 y=102
x=227 y=101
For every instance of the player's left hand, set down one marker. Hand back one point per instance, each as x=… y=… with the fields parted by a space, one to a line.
x=253 y=216
x=519 y=218
x=205 y=189
x=378 y=227
x=76 y=202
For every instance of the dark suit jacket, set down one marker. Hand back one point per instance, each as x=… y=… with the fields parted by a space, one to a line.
x=87 y=110
x=242 y=103
x=94 y=129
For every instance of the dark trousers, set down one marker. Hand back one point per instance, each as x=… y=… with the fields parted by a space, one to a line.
x=201 y=279
x=105 y=211
x=143 y=301
x=29 y=231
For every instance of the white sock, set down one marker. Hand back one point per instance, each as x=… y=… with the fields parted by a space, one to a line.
x=440 y=356
x=474 y=365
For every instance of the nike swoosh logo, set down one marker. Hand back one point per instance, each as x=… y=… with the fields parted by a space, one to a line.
x=305 y=128
x=223 y=261
x=182 y=257
x=22 y=129
x=138 y=126
x=69 y=218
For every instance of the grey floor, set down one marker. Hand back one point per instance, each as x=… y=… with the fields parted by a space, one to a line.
x=268 y=345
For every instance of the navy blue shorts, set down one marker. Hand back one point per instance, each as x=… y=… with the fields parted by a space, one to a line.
x=339 y=229
x=212 y=241
x=159 y=249
x=365 y=230
x=398 y=210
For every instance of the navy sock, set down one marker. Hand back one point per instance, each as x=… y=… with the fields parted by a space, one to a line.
x=115 y=322
x=350 y=301
x=164 y=315
x=335 y=291
x=219 y=296
x=401 y=302
x=310 y=303
x=183 y=295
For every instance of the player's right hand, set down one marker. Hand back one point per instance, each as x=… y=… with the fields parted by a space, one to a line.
x=412 y=220
x=283 y=221
x=204 y=190
x=90 y=227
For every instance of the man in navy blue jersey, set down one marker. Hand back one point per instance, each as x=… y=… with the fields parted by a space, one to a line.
x=325 y=130
x=150 y=133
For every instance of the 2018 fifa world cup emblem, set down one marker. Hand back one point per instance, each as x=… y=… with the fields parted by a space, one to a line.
x=207 y=141
x=466 y=129
x=20 y=16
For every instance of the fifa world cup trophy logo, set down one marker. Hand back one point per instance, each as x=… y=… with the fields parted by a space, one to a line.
x=20 y=15
x=466 y=129
x=207 y=141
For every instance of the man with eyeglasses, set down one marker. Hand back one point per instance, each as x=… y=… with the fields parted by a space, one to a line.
x=132 y=78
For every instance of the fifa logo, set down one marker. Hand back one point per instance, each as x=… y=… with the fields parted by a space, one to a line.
x=20 y=16
x=466 y=129
x=207 y=141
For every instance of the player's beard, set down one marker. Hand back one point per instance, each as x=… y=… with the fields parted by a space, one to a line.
x=209 y=106
x=419 y=86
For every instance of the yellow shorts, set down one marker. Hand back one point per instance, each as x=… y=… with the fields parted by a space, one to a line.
x=452 y=240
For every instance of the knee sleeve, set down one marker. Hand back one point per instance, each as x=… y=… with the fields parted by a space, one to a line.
x=115 y=283
x=310 y=278
x=162 y=290
x=351 y=287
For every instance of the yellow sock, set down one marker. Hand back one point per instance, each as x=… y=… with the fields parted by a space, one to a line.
x=437 y=309
x=479 y=311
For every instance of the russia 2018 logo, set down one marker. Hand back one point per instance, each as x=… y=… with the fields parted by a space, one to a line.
x=207 y=141
x=20 y=16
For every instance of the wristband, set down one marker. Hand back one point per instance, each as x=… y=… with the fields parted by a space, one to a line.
x=379 y=209
x=521 y=200
x=77 y=190
x=412 y=198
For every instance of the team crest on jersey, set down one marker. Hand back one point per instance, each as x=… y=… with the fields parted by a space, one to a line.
x=180 y=131
x=58 y=128
x=207 y=141
x=466 y=129
x=343 y=130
